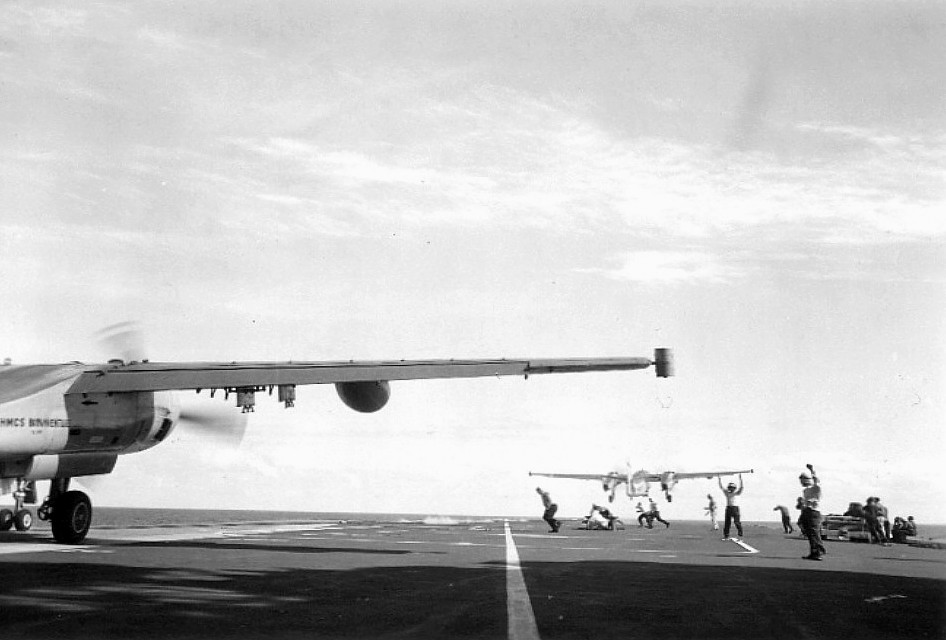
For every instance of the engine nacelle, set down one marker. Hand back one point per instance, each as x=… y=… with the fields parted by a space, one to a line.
x=49 y=466
x=668 y=480
x=366 y=397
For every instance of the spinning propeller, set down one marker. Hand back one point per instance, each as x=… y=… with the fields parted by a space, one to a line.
x=224 y=424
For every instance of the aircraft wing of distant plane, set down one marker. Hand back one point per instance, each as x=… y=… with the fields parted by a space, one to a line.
x=650 y=477
x=604 y=477
x=599 y=477
x=708 y=474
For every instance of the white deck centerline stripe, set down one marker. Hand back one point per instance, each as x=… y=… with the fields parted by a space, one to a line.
x=745 y=546
x=518 y=606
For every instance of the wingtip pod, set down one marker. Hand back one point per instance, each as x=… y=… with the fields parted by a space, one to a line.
x=663 y=362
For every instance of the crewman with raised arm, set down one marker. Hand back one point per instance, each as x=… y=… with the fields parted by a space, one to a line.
x=810 y=520
x=731 y=494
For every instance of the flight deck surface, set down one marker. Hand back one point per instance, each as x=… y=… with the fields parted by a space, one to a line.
x=501 y=579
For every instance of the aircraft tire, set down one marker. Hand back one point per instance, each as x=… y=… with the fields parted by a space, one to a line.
x=23 y=520
x=6 y=519
x=71 y=517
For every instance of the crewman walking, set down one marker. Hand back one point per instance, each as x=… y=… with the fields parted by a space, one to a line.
x=550 y=509
x=786 y=519
x=711 y=510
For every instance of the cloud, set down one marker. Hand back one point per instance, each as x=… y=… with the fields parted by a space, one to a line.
x=43 y=21
x=165 y=41
x=343 y=148
x=874 y=136
x=655 y=267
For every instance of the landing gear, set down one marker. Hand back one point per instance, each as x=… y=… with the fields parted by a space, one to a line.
x=20 y=517
x=71 y=517
x=70 y=512
x=23 y=520
x=45 y=511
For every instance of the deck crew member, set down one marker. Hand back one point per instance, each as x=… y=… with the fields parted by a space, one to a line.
x=786 y=519
x=810 y=520
x=732 y=509
x=550 y=509
x=711 y=510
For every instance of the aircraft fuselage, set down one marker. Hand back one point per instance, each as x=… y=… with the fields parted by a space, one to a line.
x=47 y=432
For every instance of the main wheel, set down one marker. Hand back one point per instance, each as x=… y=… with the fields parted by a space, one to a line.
x=6 y=519
x=71 y=517
x=23 y=520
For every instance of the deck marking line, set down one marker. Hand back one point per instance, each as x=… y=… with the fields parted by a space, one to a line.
x=518 y=606
x=30 y=547
x=744 y=546
x=876 y=599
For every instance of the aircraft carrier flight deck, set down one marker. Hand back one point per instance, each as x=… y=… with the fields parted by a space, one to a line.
x=499 y=579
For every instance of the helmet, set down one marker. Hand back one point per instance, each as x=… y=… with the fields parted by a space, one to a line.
x=805 y=474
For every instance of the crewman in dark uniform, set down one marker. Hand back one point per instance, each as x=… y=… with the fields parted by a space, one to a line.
x=550 y=509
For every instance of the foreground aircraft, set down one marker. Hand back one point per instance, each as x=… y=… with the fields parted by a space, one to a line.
x=638 y=483
x=63 y=421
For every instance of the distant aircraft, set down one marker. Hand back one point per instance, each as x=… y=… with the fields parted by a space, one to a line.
x=63 y=421
x=638 y=483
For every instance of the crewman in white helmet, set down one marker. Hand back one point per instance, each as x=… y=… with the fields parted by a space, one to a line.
x=810 y=520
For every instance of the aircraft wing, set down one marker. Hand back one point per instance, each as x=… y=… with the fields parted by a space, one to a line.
x=164 y=376
x=708 y=474
x=597 y=477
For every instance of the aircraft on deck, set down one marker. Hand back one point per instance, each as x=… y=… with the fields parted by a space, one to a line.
x=62 y=421
x=638 y=482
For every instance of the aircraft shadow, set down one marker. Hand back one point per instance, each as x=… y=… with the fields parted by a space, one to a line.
x=671 y=600
x=215 y=544
x=84 y=600
x=69 y=597
x=212 y=543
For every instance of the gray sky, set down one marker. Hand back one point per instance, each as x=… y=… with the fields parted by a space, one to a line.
x=760 y=187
